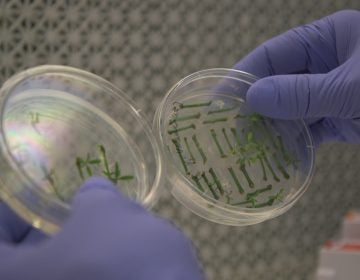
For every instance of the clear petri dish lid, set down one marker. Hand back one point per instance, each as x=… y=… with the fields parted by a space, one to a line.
x=226 y=162
x=59 y=126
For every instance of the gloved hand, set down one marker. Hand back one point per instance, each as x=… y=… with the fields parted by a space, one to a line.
x=107 y=237
x=311 y=72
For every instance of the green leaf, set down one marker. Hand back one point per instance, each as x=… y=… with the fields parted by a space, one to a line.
x=79 y=167
x=79 y=161
x=127 y=177
x=117 y=170
x=94 y=161
x=101 y=148
x=107 y=174
x=88 y=169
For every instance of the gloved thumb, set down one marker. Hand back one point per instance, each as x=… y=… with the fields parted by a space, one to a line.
x=98 y=197
x=297 y=96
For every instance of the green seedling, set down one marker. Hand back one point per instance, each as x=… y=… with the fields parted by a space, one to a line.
x=197 y=182
x=49 y=176
x=193 y=105
x=279 y=196
x=115 y=175
x=179 y=151
x=200 y=150
x=247 y=177
x=189 y=150
x=268 y=165
x=231 y=148
x=252 y=200
x=257 y=192
x=235 y=178
x=86 y=163
x=272 y=198
x=178 y=129
x=184 y=118
x=222 y=110
x=280 y=167
x=262 y=167
x=214 y=194
x=89 y=163
x=288 y=157
x=212 y=121
x=214 y=136
x=216 y=180
x=238 y=145
x=267 y=133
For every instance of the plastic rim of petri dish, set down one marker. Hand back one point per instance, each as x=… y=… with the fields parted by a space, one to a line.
x=61 y=125
x=226 y=163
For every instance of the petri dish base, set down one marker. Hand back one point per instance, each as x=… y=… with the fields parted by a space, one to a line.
x=60 y=126
x=226 y=162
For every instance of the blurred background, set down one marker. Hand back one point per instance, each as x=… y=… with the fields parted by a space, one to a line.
x=144 y=47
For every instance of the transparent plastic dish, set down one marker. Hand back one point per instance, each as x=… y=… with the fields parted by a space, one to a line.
x=225 y=162
x=61 y=125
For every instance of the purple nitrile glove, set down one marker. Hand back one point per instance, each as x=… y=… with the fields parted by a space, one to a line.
x=311 y=72
x=107 y=237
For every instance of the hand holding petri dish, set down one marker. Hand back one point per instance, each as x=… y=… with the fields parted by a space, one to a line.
x=226 y=163
x=61 y=125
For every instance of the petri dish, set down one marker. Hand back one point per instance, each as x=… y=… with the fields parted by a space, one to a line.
x=227 y=163
x=60 y=125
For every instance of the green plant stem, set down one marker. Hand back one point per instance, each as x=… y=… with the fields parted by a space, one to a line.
x=267 y=133
x=262 y=167
x=48 y=176
x=211 y=121
x=263 y=204
x=270 y=201
x=189 y=150
x=200 y=150
x=179 y=152
x=88 y=170
x=252 y=200
x=233 y=175
x=210 y=186
x=185 y=118
x=216 y=180
x=107 y=171
x=237 y=140
x=267 y=163
x=280 y=167
x=259 y=191
x=214 y=136
x=227 y=140
x=193 y=105
x=79 y=167
x=248 y=179
x=217 y=111
x=178 y=129
x=197 y=182
x=288 y=158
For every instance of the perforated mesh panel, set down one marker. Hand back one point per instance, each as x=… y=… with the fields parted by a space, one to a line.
x=144 y=47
